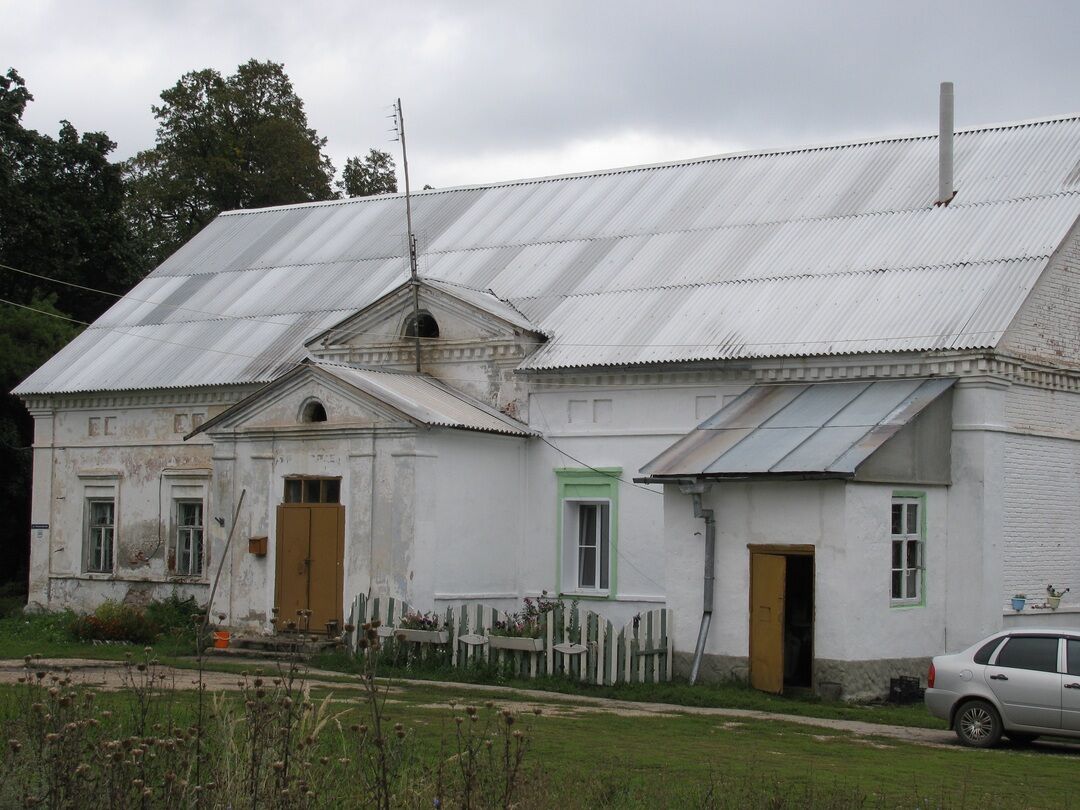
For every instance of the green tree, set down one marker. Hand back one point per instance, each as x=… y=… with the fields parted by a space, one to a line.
x=61 y=211
x=224 y=142
x=61 y=217
x=374 y=174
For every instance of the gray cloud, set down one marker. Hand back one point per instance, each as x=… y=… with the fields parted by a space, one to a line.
x=493 y=90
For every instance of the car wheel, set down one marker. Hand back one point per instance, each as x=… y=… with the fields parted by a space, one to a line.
x=978 y=724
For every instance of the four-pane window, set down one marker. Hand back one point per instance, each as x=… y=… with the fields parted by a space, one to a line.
x=100 y=535
x=907 y=549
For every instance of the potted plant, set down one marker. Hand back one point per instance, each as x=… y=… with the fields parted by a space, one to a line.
x=1018 y=601
x=1053 y=598
x=524 y=629
x=422 y=627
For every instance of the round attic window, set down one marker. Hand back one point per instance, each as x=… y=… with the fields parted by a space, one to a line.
x=423 y=324
x=313 y=412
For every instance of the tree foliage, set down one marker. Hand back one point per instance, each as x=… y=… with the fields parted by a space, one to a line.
x=61 y=216
x=374 y=174
x=61 y=211
x=224 y=142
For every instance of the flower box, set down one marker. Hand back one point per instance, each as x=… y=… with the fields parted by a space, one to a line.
x=523 y=643
x=425 y=636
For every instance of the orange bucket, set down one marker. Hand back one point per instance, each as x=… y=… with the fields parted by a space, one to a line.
x=221 y=639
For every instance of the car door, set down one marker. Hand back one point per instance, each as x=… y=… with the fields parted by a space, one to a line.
x=1024 y=677
x=1070 y=687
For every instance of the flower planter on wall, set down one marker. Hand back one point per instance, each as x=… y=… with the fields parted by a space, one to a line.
x=524 y=643
x=425 y=636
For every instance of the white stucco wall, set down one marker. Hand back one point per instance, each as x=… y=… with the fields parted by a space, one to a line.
x=620 y=426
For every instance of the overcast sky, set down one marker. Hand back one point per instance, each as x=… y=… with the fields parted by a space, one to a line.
x=501 y=90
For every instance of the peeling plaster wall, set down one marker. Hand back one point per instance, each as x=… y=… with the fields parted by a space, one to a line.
x=116 y=447
x=376 y=491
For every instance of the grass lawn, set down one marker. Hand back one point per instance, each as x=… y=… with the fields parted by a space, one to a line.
x=730 y=695
x=592 y=758
x=47 y=635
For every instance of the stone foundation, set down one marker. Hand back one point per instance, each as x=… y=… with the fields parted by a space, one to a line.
x=844 y=680
x=865 y=680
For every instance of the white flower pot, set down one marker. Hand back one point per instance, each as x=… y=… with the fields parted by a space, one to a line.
x=524 y=643
x=425 y=636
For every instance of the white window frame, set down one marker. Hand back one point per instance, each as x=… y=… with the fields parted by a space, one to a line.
x=601 y=580
x=184 y=485
x=103 y=559
x=195 y=534
x=903 y=545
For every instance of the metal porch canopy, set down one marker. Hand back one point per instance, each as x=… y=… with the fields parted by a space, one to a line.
x=813 y=430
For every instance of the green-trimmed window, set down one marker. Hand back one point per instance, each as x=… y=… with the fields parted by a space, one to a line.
x=588 y=528
x=907 y=548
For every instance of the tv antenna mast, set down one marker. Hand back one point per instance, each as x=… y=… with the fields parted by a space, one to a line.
x=414 y=280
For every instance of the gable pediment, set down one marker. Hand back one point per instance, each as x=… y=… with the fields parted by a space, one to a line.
x=287 y=404
x=463 y=316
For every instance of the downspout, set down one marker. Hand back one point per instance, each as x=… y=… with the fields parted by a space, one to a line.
x=695 y=491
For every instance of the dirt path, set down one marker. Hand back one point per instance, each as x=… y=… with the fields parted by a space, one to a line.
x=108 y=675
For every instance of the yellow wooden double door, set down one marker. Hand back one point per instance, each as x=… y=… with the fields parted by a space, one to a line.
x=310 y=562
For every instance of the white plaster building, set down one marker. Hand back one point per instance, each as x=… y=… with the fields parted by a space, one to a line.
x=887 y=387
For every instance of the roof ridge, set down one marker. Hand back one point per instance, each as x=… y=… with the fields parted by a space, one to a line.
x=716 y=158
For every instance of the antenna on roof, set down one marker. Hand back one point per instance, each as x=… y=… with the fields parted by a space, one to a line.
x=399 y=121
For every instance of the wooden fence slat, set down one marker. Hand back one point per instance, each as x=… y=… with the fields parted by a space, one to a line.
x=591 y=649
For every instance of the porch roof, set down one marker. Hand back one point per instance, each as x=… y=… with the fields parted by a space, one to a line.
x=808 y=430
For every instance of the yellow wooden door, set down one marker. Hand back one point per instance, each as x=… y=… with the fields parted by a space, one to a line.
x=768 y=575
x=326 y=570
x=310 y=553
x=292 y=545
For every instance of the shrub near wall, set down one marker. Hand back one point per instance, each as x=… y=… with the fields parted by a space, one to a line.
x=114 y=621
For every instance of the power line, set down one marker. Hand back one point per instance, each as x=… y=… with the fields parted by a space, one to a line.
x=130 y=334
x=569 y=344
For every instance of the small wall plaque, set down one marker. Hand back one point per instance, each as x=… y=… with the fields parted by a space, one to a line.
x=257 y=546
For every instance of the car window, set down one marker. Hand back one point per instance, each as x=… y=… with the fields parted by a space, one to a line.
x=1074 y=657
x=1030 y=652
x=986 y=650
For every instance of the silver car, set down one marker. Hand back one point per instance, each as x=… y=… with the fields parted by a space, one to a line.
x=1020 y=683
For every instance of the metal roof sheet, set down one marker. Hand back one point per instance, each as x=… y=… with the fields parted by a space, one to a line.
x=426 y=399
x=830 y=249
x=811 y=429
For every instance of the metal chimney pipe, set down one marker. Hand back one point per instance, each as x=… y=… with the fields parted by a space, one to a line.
x=945 y=145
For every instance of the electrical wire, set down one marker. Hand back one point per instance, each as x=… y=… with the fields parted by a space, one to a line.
x=391 y=336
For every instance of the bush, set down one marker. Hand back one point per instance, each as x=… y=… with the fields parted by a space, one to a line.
x=114 y=621
x=174 y=616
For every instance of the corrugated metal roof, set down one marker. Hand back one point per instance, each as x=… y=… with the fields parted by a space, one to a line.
x=812 y=429
x=426 y=399
x=829 y=249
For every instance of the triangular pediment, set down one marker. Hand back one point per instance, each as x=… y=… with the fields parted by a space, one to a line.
x=288 y=403
x=318 y=397
x=463 y=315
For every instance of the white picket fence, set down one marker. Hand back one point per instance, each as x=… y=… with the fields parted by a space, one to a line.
x=578 y=644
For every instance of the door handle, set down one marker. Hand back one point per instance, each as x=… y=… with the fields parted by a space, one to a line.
x=999 y=677
x=1072 y=686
